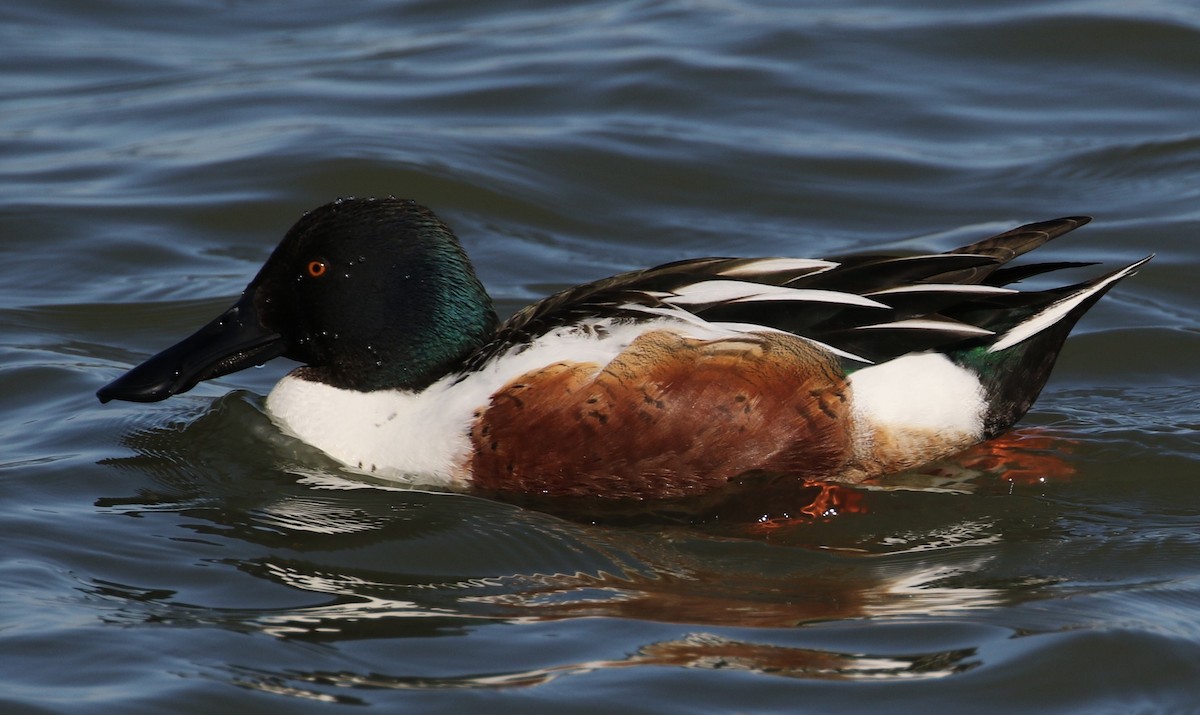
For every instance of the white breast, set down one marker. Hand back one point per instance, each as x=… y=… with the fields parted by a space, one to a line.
x=419 y=438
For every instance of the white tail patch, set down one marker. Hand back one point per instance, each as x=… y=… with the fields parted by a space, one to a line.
x=1058 y=310
x=914 y=409
x=920 y=391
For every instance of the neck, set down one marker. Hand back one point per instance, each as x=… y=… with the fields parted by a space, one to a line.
x=442 y=315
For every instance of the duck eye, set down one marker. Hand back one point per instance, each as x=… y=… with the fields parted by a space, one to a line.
x=316 y=269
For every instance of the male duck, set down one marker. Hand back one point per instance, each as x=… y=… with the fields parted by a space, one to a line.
x=660 y=383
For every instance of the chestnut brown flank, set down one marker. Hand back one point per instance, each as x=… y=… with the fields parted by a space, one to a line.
x=669 y=417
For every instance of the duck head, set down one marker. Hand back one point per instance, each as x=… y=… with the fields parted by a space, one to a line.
x=367 y=293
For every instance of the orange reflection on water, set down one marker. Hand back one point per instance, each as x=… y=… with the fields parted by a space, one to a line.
x=1025 y=456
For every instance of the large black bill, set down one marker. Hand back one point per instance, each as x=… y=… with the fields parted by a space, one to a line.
x=234 y=341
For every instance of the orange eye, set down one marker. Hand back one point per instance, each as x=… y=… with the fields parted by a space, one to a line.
x=316 y=269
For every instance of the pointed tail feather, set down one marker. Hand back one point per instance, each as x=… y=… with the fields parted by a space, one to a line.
x=1021 y=240
x=1070 y=307
x=1006 y=246
x=1014 y=368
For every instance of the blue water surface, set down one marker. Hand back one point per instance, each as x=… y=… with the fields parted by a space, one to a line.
x=186 y=556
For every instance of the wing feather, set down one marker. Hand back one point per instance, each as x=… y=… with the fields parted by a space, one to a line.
x=862 y=308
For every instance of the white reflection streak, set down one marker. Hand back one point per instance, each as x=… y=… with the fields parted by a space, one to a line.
x=316 y=517
x=318 y=618
x=915 y=594
x=323 y=619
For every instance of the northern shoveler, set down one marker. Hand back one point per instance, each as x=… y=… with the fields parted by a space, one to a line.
x=659 y=383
